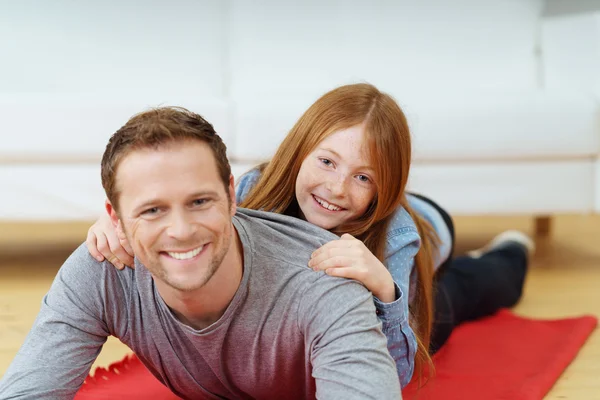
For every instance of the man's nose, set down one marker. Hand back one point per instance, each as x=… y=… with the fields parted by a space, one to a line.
x=180 y=227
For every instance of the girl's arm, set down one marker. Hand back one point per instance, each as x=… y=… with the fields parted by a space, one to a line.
x=395 y=316
x=349 y=258
x=245 y=184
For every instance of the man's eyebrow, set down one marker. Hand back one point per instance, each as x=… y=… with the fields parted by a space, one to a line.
x=203 y=193
x=335 y=153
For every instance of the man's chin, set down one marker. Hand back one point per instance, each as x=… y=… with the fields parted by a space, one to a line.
x=188 y=281
x=184 y=285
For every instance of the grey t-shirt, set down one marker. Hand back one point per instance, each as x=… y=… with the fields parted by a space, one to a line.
x=289 y=332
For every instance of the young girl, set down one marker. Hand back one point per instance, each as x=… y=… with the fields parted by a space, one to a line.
x=344 y=166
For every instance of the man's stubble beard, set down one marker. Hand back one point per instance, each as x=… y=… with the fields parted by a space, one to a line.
x=160 y=272
x=212 y=269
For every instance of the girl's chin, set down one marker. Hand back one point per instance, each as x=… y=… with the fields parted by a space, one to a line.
x=323 y=222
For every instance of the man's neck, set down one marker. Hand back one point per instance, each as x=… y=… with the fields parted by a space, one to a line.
x=203 y=307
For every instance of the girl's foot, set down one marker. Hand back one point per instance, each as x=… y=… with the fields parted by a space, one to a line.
x=506 y=239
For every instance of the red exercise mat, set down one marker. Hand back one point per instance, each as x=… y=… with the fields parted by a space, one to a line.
x=126 y=379
x=500 y=357
x=504 y=357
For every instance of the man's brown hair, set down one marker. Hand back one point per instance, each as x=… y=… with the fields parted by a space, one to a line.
x=156 y=128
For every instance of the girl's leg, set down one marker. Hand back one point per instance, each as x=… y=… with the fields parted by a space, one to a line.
x=479 y=284
x=449 y=223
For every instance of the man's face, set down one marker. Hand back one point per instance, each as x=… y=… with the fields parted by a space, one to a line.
x=176 y=213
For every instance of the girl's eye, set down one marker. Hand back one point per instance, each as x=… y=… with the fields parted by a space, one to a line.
x=363 y=178
x=326 y=161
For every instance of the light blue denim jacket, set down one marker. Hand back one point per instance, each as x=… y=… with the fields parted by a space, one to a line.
x=403 y=243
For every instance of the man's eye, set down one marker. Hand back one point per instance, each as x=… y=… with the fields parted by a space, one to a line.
x=150 y=211
x=199 y=202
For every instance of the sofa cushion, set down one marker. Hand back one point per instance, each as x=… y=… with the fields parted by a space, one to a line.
x=73 y=127
x=459 y=126
x=516 y=187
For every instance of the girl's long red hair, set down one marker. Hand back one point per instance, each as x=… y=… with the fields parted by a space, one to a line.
x=390 y=151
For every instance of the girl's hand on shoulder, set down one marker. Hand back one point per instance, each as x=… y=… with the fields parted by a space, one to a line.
x=104 y=242
x=348 y=257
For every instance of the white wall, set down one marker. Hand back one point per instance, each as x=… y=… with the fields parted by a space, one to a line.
x=571 y=56
x=113 y=48
x=72 y=72
x=283 y=47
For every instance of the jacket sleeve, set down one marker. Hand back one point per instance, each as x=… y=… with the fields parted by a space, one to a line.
x=245 y=184
x=403 y=245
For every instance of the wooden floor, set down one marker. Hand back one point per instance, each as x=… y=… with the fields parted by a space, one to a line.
x=564 y=281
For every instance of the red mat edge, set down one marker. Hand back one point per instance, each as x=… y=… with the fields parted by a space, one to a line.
x=586 y=324
x=579 y=336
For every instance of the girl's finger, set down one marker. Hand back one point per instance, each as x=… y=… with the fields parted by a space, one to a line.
x=334 y=262
x=104 y=248
x=333 y=252
x=91 y=243
x=124 y=242
x=351 y=272
x=129 y=250
x=115 y=247
x=337 y=243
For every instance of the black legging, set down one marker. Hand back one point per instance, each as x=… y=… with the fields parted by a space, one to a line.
x=468 y=288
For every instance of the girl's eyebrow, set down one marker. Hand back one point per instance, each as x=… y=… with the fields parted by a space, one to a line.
x=335 y=153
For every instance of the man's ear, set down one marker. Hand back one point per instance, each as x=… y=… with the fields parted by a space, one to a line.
x=232 y=195
x=112 y=213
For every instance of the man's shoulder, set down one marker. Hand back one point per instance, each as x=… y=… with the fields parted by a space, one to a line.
x=280 y=236
x=327 y=300
x=281 y=245
x=82 y=271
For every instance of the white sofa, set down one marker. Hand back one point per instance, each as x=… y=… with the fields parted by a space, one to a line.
x=501 y=124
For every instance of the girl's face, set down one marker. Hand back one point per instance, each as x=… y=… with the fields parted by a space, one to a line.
x=336 y=183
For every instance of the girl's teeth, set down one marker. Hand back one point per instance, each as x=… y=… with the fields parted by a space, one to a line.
x=187 y=255
x=327 y=205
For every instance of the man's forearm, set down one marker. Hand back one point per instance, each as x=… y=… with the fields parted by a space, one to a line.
x=54 y=360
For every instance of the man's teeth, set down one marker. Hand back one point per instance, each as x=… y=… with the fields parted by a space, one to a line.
x=187 y=255
x=327 y=205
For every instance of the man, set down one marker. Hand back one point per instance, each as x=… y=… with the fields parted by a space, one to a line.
x=221 y=303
